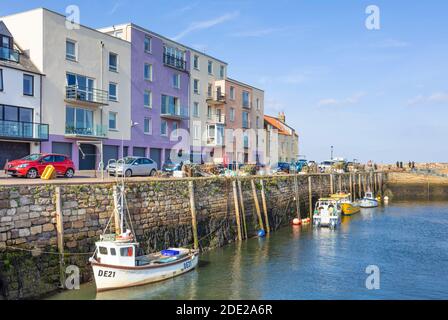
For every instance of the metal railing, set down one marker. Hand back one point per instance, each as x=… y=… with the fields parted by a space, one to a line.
x=99 y=131
x=219 y=119
x=9 y=54
x=217 y=96
x=24 y=130
x=84 y=94
x=174 y=111
x=174 y=61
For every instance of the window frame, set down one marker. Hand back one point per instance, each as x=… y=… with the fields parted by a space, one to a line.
x=150 y=44
x=196 y=90
x=150 y=129
x=32 y=85
x=196 y=62
x=232 y=93
x=75 y=44
x=113 y=98
x=175 y=81
x=210 y=67
x=150 y=72
x=149 y=92
x=164 y=134
x=196 y=114
x=111 y=67
x=2 y=88
x=115 y=119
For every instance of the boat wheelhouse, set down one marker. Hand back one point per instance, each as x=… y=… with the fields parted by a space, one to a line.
x=327 y=213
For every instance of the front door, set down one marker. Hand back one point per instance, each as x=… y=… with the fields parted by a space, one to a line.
x=156 y=155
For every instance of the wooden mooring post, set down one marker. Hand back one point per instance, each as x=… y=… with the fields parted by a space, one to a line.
x=265 y=207
x=237 y=210
x=193 y=214
x=350 y=181
x=340 y=183
x=60 y=235
x=257 y=204
x=296 y=187
x=359 y=186
x=331 y=184
x=310 y=196
x=243 y=209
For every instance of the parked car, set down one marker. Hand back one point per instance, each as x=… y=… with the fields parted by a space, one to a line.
x=170 y=166
x=34 y=165
x=282 y=167
x=133 y=166
x=326 y=166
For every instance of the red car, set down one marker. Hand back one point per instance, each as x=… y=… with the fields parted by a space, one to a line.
x=34 y=165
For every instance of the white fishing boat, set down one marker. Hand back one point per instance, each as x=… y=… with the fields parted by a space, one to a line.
x=118 y=261
x=368 y=201
x=327 y=213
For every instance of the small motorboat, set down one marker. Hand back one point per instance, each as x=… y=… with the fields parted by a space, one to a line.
x=348 y=207
x=369 y=201
x=118 y=261
x=327 y=213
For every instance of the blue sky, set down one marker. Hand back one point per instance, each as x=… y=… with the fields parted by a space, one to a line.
x=372 y=94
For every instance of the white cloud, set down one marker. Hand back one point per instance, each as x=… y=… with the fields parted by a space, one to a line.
x=354 y=99
x=182 y=10
x=438 y=97
x=117 y=5
x=391 y=43
x=201 y=25
x=257 y=33
x=291 y=78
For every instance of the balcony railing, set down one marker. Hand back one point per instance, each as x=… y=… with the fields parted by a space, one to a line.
x=217 y=98
x=23 y=130
x=218 y=119
x=247 y=105
x=173 y=112
x=246 y=124
x=98 y=131
x=175 y=62
x=9 y=54
x=87 y=95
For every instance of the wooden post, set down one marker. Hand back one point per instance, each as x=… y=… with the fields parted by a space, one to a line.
x=193 y=214
x=243 y=209
x=116 y=213
x=350 y=181
x=375 y=180
x=364 y=180
x=359 y=186
x=331 y=184
x=257 y=204
x=310 y=196
x=296 y=185
x=340 y=183
x=60 y=235
x=265 y=207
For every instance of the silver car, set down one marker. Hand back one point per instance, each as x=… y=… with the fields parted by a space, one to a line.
x=133 y=166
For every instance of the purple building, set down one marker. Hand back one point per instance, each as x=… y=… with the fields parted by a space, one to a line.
x=160 y=83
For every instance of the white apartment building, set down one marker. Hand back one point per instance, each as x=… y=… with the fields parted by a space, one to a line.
x=207 y=102
x=86 y=89
x=21 y=130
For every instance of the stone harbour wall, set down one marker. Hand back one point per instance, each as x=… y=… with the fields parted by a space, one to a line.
x=161 y=215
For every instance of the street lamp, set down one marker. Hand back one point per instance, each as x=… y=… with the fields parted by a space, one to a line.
x=332 y=149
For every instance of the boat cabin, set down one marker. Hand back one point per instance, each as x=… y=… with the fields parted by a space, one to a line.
x=369 y=195
x=327 y=203
x=116 y=253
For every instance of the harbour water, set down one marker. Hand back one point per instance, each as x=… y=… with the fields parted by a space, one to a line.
x=407 y=241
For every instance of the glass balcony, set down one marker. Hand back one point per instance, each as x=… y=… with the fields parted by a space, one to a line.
x=174 y=112
x=98 y=131
x=28 y=131
x=217 y=98
x=174 y=62
x=9 y=54
x=86 y=95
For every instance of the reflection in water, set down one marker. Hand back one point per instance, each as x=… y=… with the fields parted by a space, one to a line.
x=407 y=241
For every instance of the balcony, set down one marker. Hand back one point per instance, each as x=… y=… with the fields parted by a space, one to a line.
x=218 y=119
x=247 y=105
x=218 y=98
x=28 y=131
x=86 y=96
x=174 y=62
x=97 y=132
x=9 y=54
x=173 y=112
x=246 y=124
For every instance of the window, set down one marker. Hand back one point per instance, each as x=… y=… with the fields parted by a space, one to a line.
x=59 y=159
x=112 y=121
x=148 y=44
x=258 y=122
x=196 y=86
x=103 y=251
x=176 y=81
x=246 y=99
x=221 y=72
x=209 y=112
x=1 y=79
x=113 y=62
x=232 y=114
x=210 y=67
x=245 y=120
x=170 y=105
x=147 y=99
x=84 y=86
x=127 y=252
x=232 y=93
x=164 y=128
x=196 y=62
x=175 y=127
x=174 y=57
x=28 y=85
x=258 y=104
x=196 y=131
x=79 y=121
x=70 y=50
x=113 y=252
x=196 y=109
x=148 y=72
x=148 y=126
x=210 y=90
x=113 y=92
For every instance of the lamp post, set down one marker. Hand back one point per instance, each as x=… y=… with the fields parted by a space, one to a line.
x=332 y=149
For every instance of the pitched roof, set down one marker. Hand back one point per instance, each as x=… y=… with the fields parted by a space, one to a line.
x=4 y=30
x=282 y=128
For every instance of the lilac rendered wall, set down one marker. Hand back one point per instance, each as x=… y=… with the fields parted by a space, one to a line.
x=161 y=84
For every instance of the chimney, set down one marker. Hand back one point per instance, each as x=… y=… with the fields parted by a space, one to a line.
x=282 y=117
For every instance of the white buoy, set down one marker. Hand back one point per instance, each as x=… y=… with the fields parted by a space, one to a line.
x=386 y=199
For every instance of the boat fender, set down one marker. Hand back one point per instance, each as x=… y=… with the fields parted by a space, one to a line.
x=296 y=222
x=261 y=233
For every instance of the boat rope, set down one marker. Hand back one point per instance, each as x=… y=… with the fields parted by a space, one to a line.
x=48 y=252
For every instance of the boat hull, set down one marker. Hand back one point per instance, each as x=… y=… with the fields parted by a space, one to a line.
x=108 y=277
x=349 y=209
x=368 y=203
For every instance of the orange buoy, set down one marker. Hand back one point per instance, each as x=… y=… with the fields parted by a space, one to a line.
x=296 y=222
